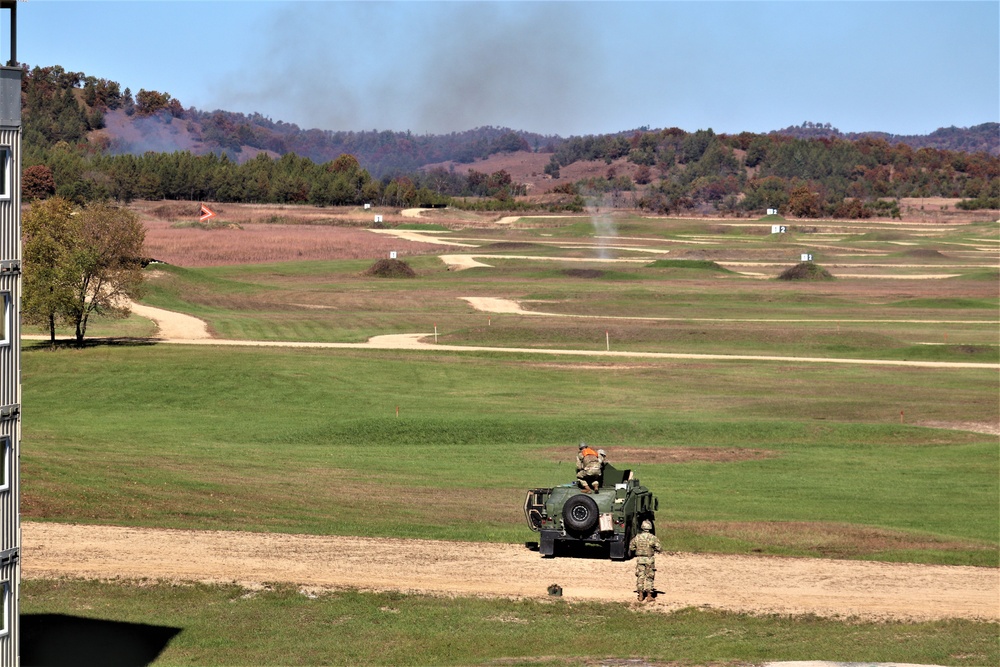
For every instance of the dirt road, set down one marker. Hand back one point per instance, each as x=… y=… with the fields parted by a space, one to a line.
x=738 y=583
x=496 y=305
x=179 y=328
x=171 y=324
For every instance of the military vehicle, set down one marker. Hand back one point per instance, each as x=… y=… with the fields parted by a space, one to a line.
x=612 y=516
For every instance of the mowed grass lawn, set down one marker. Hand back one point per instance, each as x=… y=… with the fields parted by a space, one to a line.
x=814 y=460
x=229 y=625
x=634 y=309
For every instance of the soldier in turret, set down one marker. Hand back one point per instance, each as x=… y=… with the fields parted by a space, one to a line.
x=645 y=546
x=589 y=465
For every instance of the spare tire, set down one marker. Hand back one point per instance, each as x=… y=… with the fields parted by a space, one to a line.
x=580 y=514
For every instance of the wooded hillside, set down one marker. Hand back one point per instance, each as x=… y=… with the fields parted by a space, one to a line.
x=86 y=138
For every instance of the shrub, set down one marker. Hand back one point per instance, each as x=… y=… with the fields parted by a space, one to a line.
x=979 y=203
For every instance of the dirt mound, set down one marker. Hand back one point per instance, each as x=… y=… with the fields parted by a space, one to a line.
x=583 y=273
x=620 y=456
x=390 y=268
x=805 y=271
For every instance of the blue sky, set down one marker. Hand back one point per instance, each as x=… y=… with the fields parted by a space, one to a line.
x=567 y=68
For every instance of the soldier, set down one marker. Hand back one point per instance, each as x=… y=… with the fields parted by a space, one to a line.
x=588 y=469
x=646 y=546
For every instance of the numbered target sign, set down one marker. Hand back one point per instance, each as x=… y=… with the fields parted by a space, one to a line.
x=378 y=218
x=778 y=229
x=807 y=257
x=392 y=254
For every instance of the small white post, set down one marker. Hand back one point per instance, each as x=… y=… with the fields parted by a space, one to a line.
x=607 y=340
x=435 y=333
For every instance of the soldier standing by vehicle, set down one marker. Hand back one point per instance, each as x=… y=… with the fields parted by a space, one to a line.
x=588 y=468
x=646 y=546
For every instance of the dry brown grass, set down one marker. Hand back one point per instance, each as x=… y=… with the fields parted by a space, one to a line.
x=259 y=233
x=260 y=243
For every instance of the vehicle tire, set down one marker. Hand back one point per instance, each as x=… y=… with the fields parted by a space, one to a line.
x=580 y=514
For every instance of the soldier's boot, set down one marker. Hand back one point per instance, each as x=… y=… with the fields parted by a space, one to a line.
x=596 y=485
x=641 y=596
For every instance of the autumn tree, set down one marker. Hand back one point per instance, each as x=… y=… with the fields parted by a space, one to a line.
x=77 y=263
x=804 y=203
x=106 y=262
x=643 y=175
x=46 y=254
x=37 y=182
x=148 y=102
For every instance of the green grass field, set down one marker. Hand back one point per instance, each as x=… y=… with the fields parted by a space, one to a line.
x=816 y=460
x=209 y=438
x=282 y=626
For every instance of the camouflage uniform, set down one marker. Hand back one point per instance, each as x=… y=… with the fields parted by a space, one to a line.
x=588 y=469
x=646 y=546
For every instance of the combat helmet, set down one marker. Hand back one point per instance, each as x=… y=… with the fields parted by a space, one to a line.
x=647 y=525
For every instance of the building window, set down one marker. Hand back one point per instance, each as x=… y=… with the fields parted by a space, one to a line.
x=5 y=172
x=5 y=461
x=5 y=620
x=5 y=318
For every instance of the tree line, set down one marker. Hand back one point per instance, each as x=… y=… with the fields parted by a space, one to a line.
x=803 y=177
x=816 y=172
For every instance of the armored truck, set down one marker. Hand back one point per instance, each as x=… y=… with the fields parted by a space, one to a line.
x=611 y=516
